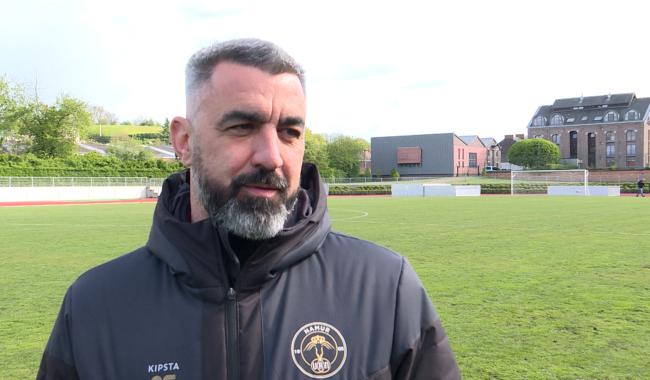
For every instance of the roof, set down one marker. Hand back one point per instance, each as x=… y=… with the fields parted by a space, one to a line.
x=616 y=100
x=471 y=140
x=592 y=109
x=488 y=141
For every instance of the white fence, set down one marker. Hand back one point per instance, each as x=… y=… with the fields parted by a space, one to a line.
x=79 y=181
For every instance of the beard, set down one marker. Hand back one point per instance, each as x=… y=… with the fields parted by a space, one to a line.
x=250 y=217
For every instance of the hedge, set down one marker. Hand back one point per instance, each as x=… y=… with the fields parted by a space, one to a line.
x=337 y=189
x=89 y=165
x=488 y=188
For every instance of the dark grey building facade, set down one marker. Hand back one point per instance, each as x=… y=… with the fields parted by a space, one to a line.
x=427 y=155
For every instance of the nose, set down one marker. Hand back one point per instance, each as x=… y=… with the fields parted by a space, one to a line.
x=266 y=149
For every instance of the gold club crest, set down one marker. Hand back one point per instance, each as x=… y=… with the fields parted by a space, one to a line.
x=318 y=350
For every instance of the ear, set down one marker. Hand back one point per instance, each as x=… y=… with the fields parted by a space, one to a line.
x=180 y=131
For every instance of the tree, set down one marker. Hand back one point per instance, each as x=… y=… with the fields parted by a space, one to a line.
x=54 y=130
x=534 y=153
x=100 y=116
x=164 y=133
x=13 y=109
x=316 y=151
x=345 y=154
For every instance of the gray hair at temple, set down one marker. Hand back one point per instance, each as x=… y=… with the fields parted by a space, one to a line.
x=260 y=54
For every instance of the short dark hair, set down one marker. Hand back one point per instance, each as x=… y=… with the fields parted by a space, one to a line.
x=260 y=54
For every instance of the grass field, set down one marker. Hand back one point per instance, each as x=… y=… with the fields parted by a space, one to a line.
x=527 y=287
x=122 y=130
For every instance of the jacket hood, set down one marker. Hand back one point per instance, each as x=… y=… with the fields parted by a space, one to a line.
x=201 y=256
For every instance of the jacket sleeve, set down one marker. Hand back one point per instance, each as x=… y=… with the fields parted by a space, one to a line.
x=58 y=360
x=420 y=346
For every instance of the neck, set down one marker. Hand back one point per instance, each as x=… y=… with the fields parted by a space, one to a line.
x=197 y=211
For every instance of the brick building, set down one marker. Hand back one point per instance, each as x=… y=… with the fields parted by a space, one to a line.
x=603 y=131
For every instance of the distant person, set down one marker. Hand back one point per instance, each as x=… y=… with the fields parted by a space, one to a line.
x=639 y=188
x=242 y=277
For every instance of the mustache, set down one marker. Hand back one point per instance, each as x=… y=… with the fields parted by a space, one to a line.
x=261 y=177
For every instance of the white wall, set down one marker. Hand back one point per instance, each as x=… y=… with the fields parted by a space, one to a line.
x=72 y=193
x=599 y=191
x=406 y=190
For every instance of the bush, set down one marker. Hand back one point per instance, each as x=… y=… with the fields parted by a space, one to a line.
x=374 y=189
x=89 y=165
x=100 y=139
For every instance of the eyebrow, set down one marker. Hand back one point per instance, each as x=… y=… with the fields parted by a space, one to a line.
x=257 y=118
x=238 y=116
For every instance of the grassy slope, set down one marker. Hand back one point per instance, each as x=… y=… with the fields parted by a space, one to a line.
x=122 y=130
x=527 y=287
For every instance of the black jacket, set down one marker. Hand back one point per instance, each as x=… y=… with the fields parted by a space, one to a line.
x=310 y=303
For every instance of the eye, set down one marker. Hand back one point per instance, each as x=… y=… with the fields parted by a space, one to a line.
x=241 y=129
x=291 y=133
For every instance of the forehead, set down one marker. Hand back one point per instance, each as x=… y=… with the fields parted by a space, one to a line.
x=234 y=84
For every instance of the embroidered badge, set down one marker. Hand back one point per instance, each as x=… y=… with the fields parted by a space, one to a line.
x=318 y=350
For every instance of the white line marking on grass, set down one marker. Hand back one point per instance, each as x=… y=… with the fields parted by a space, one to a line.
x=363 y=214
x=509 y=228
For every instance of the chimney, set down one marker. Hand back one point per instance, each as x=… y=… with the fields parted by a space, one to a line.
x=508 y=137
x=520 y=136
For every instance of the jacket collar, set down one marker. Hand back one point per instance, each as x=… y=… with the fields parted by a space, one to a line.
x=200 y=255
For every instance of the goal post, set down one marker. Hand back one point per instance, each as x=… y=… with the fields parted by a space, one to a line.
x=538 y=181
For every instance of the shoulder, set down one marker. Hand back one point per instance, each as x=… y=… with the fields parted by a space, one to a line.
x=116 y=276
x=353 y=251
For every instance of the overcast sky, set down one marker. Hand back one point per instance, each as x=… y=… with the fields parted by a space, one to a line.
x=468 y=67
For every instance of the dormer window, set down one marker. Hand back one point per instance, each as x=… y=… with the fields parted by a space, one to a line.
x=584 y=118
x=539 y=121
x=571 y=120
x=611 y=116
x=632 y=115
x=557 y=120
x=598 y=118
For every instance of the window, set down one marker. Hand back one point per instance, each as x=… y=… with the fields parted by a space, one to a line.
x=630 y=135
x=459 y=153
x=539 y=121
x=630 y=162
x=571 y=120
x=611 y=162
x=632 y=115
x=557 y=120
x=611 y=116
x=472 y=160
x=598 y=118
x=611 y=150
x=610 y=137
x=556 y=139
x=584 y=118
x=631 y=149
x=573 y=144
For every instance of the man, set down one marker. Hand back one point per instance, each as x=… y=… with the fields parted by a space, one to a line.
x=639 y=188
x=241 y=277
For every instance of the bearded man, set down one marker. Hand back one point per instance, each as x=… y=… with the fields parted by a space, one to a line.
x=242 y=277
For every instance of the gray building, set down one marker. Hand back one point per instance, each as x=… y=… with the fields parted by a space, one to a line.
x=606 y=131
x=427 y=155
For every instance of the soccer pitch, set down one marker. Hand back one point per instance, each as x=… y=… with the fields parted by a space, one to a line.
x=527 y=287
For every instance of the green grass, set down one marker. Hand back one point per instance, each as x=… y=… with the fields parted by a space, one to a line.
x=527 y=287
x=122 y=130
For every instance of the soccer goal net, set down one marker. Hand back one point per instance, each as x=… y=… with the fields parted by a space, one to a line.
x=538 y=181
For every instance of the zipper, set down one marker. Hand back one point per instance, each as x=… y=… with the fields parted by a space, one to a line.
x=232 y=334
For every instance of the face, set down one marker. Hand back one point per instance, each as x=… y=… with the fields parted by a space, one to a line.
x=244 y=142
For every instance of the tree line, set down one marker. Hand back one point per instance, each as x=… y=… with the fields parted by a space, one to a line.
x=30 y=126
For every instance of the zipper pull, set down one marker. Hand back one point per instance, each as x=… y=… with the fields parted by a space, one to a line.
x=232 y=294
